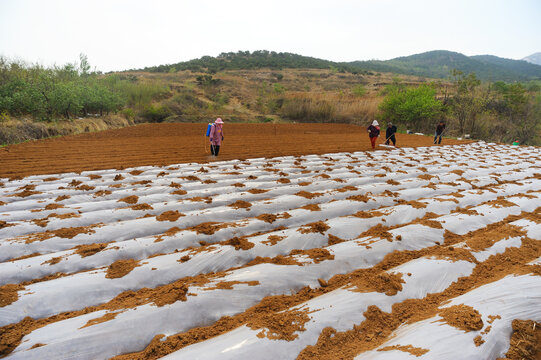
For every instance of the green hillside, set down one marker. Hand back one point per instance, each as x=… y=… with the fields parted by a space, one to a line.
x=433 y=64
x=520 y=67
x=437 y=64
x=245 y=60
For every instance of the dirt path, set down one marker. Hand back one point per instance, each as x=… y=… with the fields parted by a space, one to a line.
x=164 y=144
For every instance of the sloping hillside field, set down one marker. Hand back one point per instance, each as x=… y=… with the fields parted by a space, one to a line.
x=411 y=253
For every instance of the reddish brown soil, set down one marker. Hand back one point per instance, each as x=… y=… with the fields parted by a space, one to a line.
x=169 y=216
x=239 y=243
x=318 y=226
x=133 y=199
x=8 y=293
x=525 y=341
x=270 y=218
x=463 y=317
x=273 y=240
x=241 y=204
x=408 y=348
x=90 y=249
x=163 y=144
x=120 y=268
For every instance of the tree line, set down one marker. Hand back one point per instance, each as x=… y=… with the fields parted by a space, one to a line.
x=492 y=111
x=59 y=91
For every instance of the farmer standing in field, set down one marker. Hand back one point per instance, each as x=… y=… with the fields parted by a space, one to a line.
x=439 y=131
x=373 y=133
x=216 y=136
x=389 y=134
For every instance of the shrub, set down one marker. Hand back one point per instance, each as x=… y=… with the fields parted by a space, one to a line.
x=308 y=110
x=359 y=90
x=185 y=102
x=4 y=117
x=207 y=80
x=278 y=76
x=156 y=113
x=220 y=99
x=416 y=107
x=128 y=113
x=278 y=88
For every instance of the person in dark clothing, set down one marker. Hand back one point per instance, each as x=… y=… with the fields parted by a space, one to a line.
x=389 y=134
x=373 y=133
x=439 y=131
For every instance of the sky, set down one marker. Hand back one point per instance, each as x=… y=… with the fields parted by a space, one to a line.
x=130 y=34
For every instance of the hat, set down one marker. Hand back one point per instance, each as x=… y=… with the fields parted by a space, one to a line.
x=375 y=123
x=390 y=124
x=219 y=121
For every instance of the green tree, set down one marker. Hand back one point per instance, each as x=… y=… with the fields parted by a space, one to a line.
x=528 y=127
x=415 y=107
x=520 y=113
x=84 y=65
x=467 y=103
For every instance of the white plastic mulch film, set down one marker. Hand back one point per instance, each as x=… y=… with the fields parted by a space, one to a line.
x=93 y=243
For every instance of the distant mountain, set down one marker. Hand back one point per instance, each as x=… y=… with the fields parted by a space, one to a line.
x=534 y=58
x=432 y=64
x=435 y=64
x=438 y=64
x=520 y=67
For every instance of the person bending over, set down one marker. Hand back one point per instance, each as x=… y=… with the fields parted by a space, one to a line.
x=439 y=131
x=389 y=134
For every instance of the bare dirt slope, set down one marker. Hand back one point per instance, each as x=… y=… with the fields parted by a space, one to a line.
x=163 y=144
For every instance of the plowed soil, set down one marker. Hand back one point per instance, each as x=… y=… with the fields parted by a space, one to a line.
x=164 y=144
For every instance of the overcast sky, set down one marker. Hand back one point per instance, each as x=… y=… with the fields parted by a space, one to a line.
x=126 y=34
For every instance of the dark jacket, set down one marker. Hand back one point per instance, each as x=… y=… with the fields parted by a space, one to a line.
x=440 y=128
x=391 y=130
x=374 y=131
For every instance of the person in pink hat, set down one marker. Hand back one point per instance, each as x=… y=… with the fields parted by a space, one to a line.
x=216 y=136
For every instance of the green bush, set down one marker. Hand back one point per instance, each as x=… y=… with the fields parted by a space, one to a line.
x=156 y=113
x=207 y=80
x=220 y=99
x=359 y=90
x=185 y=102
x=128 y=113
x=414 y=107
x=278 y=88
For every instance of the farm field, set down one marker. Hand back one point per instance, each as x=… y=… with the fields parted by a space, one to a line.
x=302 y=248
x=162 y=144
